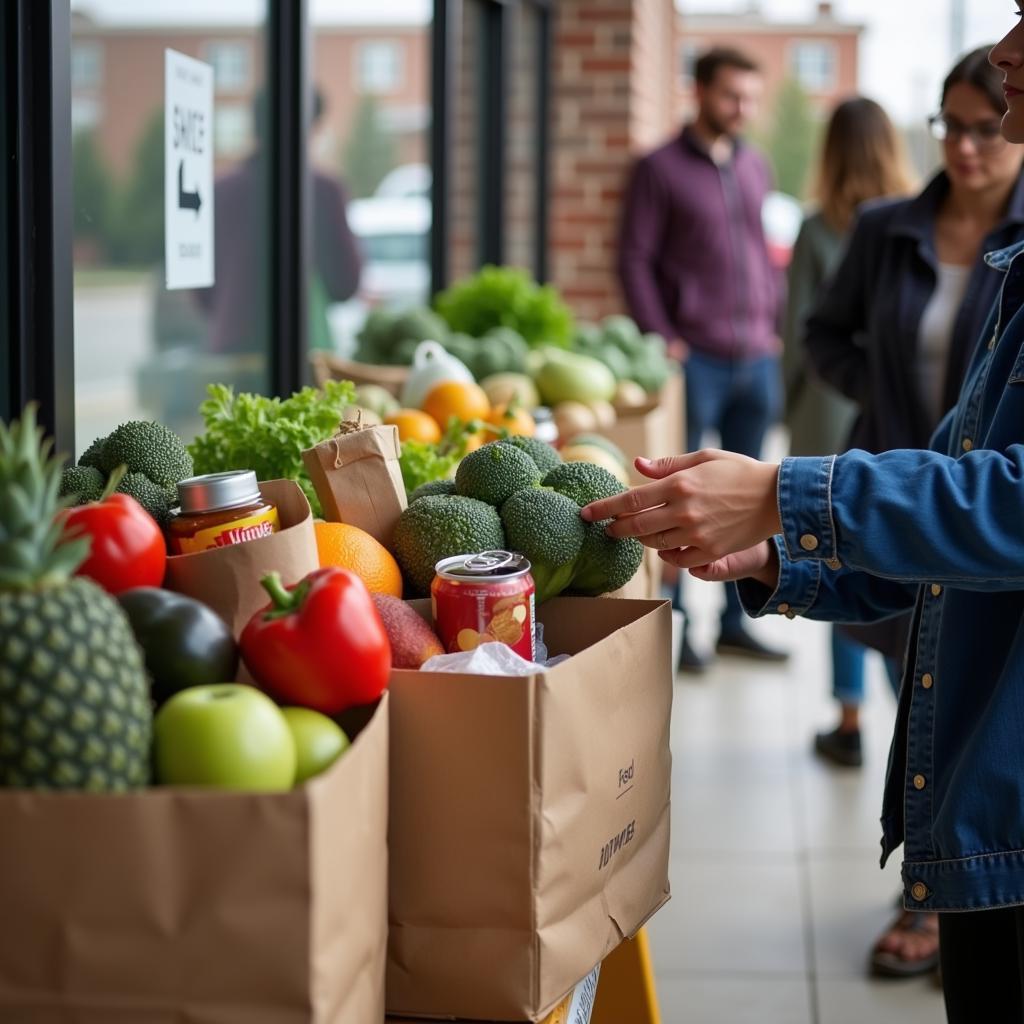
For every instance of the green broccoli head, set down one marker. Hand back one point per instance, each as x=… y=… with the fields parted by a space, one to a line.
x=150 y=448
x=83 y=483
x=546 y=528
x=583 y=482
x=156 y=500
x=93 y=455
x=421 y=325
x=541 y=452
x=440 y=526
x=606 y=563
x=432 y=487
x=494 y=472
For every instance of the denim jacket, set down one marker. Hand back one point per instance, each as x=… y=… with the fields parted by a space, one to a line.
x=939 y=532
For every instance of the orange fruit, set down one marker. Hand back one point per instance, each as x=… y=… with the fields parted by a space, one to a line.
x=348 y=547
x=414 y=425
x=516 y=420
x=461 y=399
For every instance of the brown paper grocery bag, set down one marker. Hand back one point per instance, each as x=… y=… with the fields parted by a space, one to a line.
x=228 y=579
x=358 y=478
x=529 y=829
x=191 y=906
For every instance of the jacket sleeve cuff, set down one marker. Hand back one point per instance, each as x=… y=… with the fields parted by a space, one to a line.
x=805 y=509
x=794 y=594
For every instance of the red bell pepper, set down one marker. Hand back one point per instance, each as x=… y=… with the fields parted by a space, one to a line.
x=320 y=644
x=127 y=547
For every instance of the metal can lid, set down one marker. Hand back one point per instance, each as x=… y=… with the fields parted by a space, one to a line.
x=215 y=491
x=486 y=563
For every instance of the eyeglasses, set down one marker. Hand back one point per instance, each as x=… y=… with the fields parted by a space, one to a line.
x=985 y=136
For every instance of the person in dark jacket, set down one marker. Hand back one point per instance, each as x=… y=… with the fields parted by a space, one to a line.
x=894 y=332
x=695 y=268
x=241 y=249
x=861 y=537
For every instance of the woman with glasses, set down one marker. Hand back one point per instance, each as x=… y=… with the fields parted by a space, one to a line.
x=894 y=331
x=938 y=533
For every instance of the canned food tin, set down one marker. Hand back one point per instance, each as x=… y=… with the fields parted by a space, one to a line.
x=483 y=598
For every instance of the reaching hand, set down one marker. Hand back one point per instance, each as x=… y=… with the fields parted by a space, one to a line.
x=710 y=503
x=760 y=562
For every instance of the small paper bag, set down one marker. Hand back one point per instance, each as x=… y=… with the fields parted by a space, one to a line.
x=358 y=478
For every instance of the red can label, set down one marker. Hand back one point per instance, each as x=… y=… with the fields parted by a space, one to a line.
x=479 y=599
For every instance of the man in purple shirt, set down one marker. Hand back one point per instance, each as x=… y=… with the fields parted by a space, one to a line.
x=695 y=268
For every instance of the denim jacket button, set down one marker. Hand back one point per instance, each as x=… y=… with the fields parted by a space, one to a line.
x=834 y=564
x=936 y=590
x=783 y=608
x=927 y=680
x=808 y=542
x=919 y=891
x=919 y=782
x=967 y=444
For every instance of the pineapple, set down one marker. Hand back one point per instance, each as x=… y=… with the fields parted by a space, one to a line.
x=74 y=697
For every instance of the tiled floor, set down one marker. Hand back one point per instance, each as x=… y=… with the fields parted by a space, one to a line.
x=777 y=894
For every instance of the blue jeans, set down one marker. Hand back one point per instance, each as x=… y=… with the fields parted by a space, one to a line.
x=848 y=669
x=740 y=399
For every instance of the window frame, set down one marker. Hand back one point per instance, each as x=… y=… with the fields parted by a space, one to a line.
x=824 y=46
x=365 y=46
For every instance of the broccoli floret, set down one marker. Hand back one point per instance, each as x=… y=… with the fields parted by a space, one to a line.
x=93 y=455
x=583 y=482
x=440 y=526
x=84 y=483
x=545 y=527
x=432 y=487
x=495 y=472
x=540 y=451
x=606 y=563
x=150 y=448
x=156 y=500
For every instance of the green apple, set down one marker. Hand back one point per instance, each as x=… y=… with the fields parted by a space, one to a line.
x=319 y=741
x=225 y=735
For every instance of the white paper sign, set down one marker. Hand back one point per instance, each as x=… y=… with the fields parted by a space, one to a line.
x=188 y=171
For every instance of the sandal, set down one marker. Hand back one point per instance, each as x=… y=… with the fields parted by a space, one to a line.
x=889 y=964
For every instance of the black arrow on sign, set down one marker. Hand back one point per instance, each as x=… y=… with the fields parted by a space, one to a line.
x=186 y=200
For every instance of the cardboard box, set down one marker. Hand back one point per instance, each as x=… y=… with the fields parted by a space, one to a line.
x=652 y=430
x=529 y=829
x=331 y=367
x=200 y=906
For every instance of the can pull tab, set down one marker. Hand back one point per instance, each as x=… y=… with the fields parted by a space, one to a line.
x=488 y=562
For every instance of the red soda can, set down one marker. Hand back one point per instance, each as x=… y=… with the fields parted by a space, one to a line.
x=479 y=599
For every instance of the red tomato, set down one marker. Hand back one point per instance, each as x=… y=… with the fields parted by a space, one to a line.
x=127 y=549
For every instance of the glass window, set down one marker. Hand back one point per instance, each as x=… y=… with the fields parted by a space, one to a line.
x=232 y=130
x=143 y=351
x=689 y=51
x=231 y=65
x=371 y=172
x=86 y=66
x=379 y=66
x=521 y=140
x=813 y=64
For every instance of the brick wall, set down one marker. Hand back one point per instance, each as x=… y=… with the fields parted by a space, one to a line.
x=613 y=98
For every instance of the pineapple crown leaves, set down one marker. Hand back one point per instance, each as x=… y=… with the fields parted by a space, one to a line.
x=34 y=550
